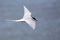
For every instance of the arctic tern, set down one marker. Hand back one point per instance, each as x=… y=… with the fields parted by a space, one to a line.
x=27 y=18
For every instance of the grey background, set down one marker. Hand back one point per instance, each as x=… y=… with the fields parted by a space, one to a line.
x=46 y=11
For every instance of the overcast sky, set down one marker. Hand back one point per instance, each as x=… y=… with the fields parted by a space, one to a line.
x=46 y=11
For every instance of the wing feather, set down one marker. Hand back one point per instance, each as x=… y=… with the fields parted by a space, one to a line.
x=31 y=23
x=27 y=13
x=28 y=18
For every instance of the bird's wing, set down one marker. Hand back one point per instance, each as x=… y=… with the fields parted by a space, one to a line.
x=32 y=23
x=27 y=13
x=28 y=18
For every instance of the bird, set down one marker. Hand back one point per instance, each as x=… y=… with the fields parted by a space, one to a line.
x=27 y=17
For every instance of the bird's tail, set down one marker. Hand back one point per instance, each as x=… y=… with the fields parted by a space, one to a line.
x=16 y=20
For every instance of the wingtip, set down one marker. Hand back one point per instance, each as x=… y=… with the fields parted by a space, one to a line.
x=34 y=28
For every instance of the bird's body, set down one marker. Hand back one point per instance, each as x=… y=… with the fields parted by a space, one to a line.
x=27 y=18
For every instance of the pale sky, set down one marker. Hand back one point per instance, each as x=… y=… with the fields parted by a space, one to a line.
x=46 y=11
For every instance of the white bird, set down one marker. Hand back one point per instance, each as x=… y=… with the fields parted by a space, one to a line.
x=27 y=18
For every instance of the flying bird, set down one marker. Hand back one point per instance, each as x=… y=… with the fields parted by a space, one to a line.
x=31 y=21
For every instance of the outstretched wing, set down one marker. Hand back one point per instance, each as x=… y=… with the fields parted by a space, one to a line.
x=28 y=18
x=27 y=13
x=31 y=23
